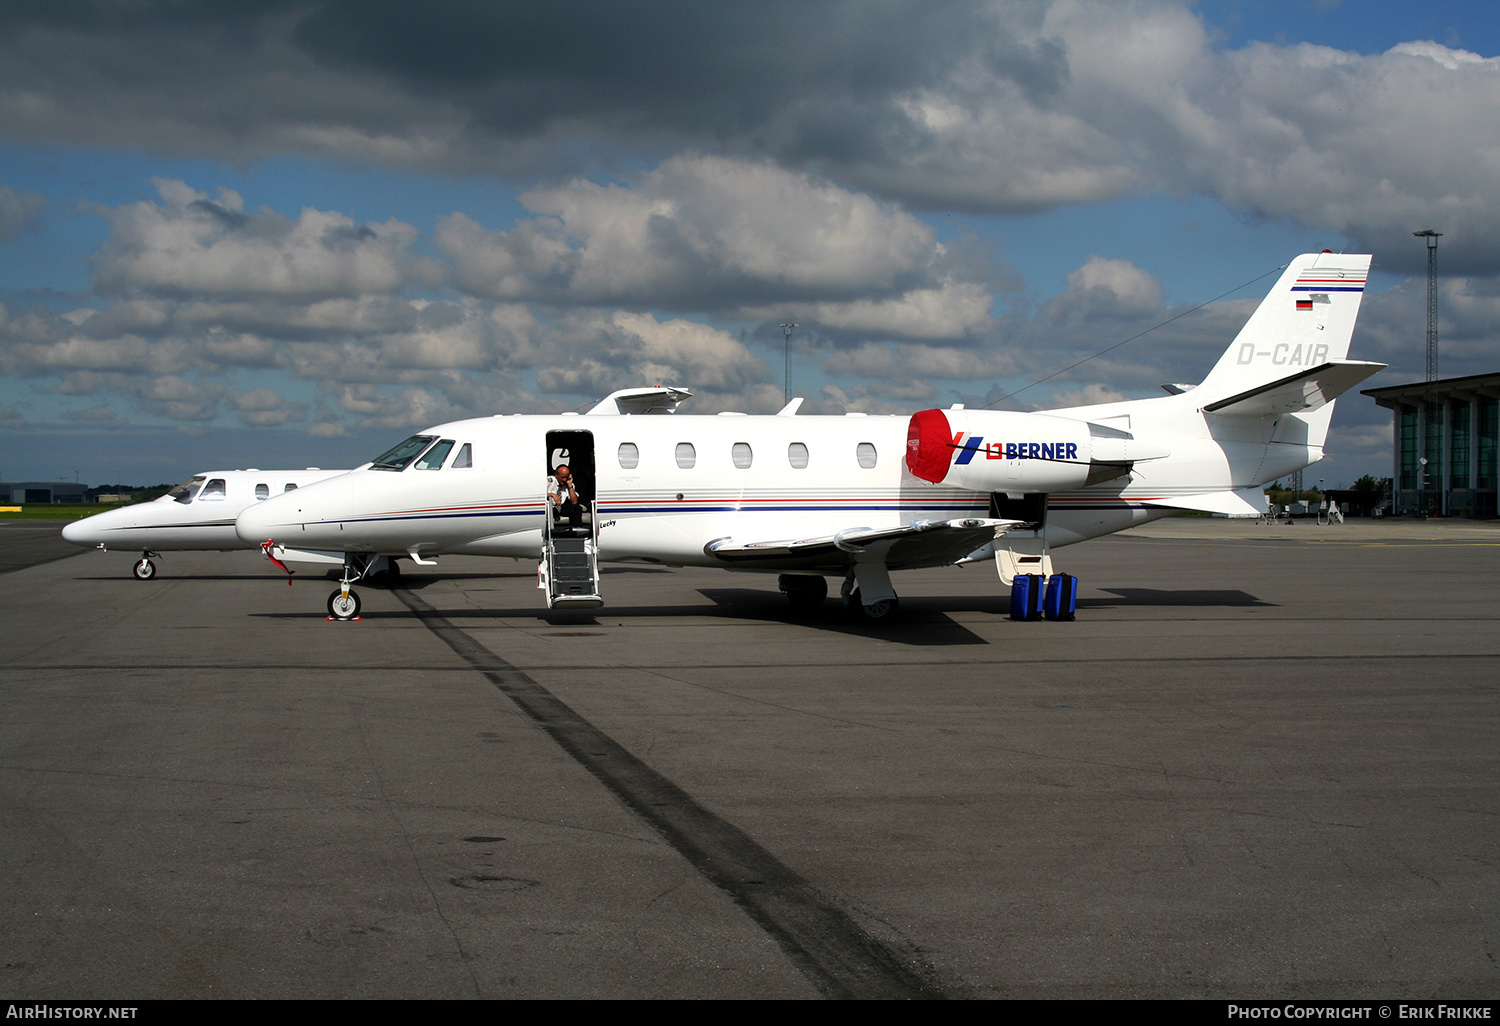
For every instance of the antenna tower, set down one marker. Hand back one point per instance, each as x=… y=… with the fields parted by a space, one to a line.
x=1432 y=320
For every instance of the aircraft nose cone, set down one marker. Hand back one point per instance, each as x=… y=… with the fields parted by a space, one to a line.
x=255 y=523
x=80 y=532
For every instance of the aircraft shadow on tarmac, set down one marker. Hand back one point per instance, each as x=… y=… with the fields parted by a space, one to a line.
x=1159 y=597
x=924 y=621
x=162 y=578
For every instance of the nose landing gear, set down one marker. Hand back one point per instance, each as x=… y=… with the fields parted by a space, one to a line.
x=343 y=604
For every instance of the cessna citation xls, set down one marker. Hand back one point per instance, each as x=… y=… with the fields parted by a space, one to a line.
x=197 y=514
x=852 y=497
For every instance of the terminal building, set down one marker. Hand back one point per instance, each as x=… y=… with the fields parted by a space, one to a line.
x=1446 y=452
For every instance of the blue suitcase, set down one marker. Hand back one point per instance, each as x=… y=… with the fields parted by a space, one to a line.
x=1026 y=597
x=1061 y=602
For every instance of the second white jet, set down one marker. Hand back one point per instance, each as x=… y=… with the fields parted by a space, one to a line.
x=196 y=515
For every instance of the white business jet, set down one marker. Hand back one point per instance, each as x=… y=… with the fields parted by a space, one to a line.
x=197 y=514
x=852 y=497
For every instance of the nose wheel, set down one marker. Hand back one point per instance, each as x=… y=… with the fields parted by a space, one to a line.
x=343 y=605
x=144 y=570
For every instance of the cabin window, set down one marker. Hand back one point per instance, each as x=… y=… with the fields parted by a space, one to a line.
x=686 y=455
x=434 y=457
x=743 y=457
x=630 y=456
x=866 y=454
x=796 y=455
x=465 y=458
x=262 y=492
x=291 y=487
x=213 y=491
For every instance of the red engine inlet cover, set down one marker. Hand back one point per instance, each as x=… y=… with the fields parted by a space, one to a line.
x=929 y=445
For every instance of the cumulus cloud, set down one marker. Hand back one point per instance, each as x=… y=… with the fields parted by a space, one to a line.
x=261 y=407
x=709 y=233
x=596 y=354
x=176 y=398
x=405 y=408
x=94 y=414
x=1088 y=395
x=19 y=211
x=189 y=244
x=1103 y=289
x=951 y=310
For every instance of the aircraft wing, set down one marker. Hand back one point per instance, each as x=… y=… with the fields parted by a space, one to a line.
x=918 y=544
x=1306 y=391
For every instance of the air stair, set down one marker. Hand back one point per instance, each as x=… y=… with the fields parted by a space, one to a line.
x=570 y=562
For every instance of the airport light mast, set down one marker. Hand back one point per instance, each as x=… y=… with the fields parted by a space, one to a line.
x=1432 y=322
x=1430 y=403
x=786 y=388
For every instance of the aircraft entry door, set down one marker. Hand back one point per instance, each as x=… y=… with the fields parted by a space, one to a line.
x=570 y=535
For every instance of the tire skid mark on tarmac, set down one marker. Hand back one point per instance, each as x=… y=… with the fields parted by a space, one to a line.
x=839 y=957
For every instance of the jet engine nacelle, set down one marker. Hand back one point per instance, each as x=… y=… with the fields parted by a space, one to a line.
x=1000 y=451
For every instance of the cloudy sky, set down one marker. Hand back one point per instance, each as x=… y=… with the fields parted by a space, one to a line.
x=287 y=233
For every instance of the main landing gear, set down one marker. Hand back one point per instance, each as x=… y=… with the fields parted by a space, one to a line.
x=145 y=569
x=806 y=592
x=877 y=612
x=868 y=594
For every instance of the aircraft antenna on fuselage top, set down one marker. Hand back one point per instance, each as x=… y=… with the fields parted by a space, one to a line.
x=1132 y=338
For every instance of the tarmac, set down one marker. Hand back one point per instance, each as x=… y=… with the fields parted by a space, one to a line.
x=1261 y=763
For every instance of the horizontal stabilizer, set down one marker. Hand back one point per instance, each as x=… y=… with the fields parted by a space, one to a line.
x=1245 y=502
x=1306 y=391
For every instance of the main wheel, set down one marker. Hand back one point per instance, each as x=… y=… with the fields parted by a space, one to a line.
x=342 y=606
x=881 y=611
x=144 y=570
x=803 y=591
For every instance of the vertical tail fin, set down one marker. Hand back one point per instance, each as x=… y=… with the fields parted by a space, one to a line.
x=1305 y=321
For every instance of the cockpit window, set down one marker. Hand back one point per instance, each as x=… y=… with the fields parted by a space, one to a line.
x=184 y=492
x=400 y=456
x=465 y=458
x=213 y=491
x=435 y=456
